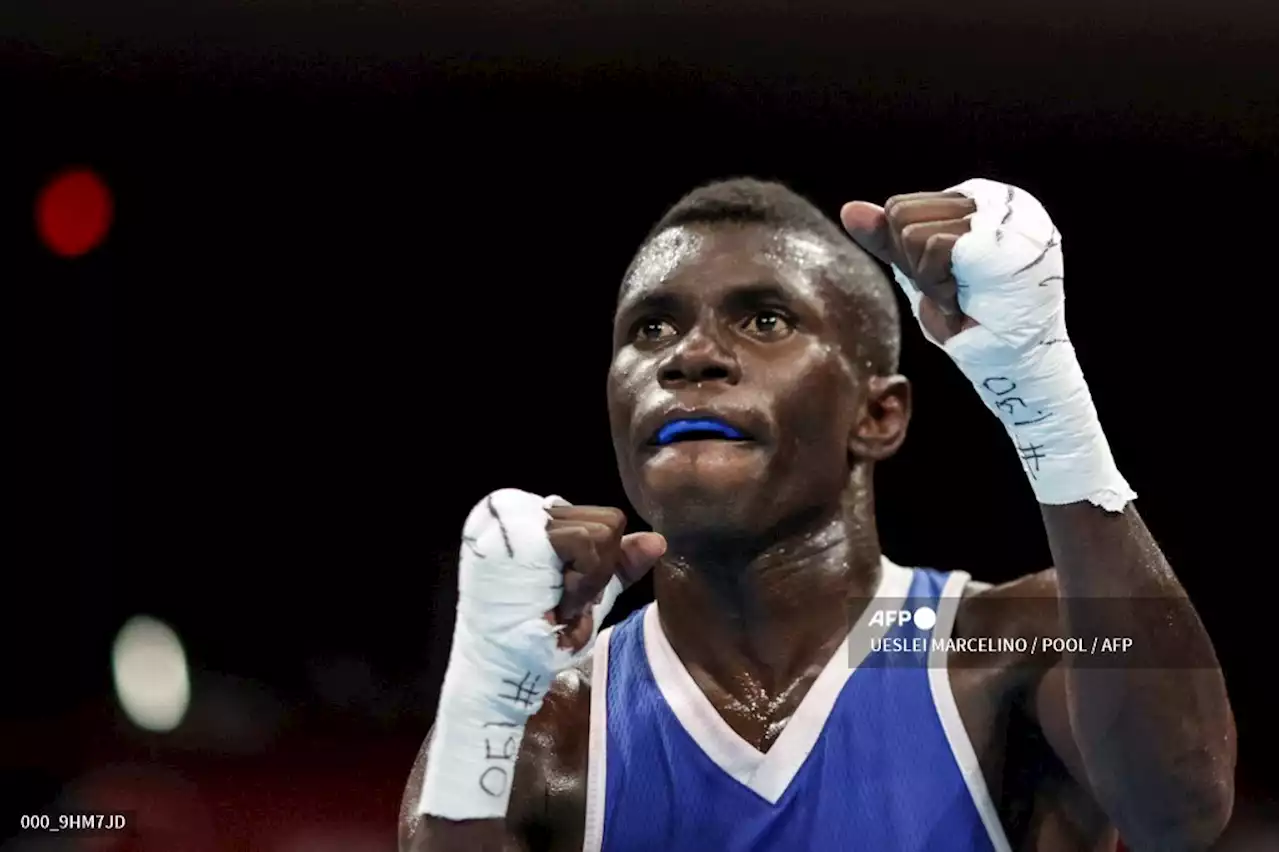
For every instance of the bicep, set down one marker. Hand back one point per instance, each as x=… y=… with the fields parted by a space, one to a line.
x=1074 y=811
x=1048 y=707
x=1036 y=692
x=1028 y=608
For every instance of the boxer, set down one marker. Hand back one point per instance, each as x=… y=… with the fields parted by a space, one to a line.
x=769 y=698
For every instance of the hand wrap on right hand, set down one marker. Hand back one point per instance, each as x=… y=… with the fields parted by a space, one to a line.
x=504 y=656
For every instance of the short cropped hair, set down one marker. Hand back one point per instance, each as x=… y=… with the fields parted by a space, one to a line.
x=746 y=200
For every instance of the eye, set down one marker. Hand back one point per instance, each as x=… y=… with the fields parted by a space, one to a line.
x=654 y=330
x=768 y=324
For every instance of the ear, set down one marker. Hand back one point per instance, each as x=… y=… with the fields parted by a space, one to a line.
x=882 y=421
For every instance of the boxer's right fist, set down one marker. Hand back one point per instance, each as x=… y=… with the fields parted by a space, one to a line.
x=590 y=542
x=536 y=576
x=532 y=567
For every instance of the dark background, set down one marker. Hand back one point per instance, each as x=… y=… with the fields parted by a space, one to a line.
x=361 y=273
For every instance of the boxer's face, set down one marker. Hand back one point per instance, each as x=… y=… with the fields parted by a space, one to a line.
x=735 y=322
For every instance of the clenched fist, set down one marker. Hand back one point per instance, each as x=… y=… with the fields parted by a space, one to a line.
x=590 y=542
x=917 y=233
x=535 y=575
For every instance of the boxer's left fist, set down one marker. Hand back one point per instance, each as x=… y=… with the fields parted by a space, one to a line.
x=917 y=233
x=982 y=253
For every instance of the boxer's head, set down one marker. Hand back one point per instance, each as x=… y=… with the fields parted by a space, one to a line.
x=755 y=326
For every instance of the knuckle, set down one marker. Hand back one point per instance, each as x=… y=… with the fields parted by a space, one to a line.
x=589 y=557
x=596 y=531
x=938 y=243
x=616 y=519
x=569 y=543
x=579 y=553
x=916 y=233
x=895 y=209
x=606 y=537
x=895 y=201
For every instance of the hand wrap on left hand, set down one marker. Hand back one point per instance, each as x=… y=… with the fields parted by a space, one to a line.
x=1009 y=277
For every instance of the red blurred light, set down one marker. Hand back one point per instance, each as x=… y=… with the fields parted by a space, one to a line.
x=74 y=212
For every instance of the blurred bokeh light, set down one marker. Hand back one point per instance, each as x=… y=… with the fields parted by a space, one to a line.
x=74 y=212
x=150 y=673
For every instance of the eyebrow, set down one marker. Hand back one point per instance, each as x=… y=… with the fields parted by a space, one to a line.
x=760 y=292
x=658 y=303
x=747 y=294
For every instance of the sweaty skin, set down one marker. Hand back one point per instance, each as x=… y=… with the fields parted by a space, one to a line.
x=770 y=540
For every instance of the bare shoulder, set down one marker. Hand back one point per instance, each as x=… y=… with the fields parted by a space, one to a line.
x=992 y=668
x=1024 y=607
x=1040 y=805
x=999 y=625
x=549 y=787
x=987 y=674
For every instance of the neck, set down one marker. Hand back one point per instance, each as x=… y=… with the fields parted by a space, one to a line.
x=768 y=614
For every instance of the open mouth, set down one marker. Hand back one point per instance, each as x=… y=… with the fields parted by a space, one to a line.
x=697 y=429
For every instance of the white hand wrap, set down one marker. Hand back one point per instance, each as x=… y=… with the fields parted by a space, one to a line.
x=504 y=655
x=1009 y=274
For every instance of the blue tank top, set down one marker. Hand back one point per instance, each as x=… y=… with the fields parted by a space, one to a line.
x=874 y=758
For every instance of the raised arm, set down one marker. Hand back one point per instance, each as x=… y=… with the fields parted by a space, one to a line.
x=1153 y=726
x=1149 y=728
x=536 y=578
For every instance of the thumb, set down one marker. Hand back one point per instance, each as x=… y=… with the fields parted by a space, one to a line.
x=869 y=227
x=640 y=552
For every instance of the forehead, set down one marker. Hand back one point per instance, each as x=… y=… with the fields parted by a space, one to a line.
x=708 y=259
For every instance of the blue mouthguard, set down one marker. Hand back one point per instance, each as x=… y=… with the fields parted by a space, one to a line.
x=668 y=433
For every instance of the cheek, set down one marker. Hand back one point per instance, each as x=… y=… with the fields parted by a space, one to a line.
x=626 y=376
x=621 y=392
x=813 y=407
x=624 y=389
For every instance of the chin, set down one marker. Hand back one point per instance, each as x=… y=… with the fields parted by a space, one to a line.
x=699 y=516
x=708 y=467
x=713 y=501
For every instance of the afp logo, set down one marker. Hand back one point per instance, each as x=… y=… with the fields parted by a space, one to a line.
x=922 y=617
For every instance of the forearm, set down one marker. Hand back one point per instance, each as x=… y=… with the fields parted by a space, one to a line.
x=479 y=782
x=1157 y=743
x=1153 y=726
x=424 y=833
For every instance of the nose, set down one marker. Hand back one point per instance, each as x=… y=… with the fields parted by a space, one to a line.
x=699 y=358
